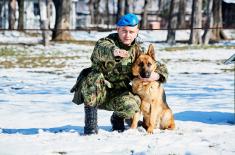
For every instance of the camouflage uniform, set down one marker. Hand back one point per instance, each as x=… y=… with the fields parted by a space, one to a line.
x=107 y=86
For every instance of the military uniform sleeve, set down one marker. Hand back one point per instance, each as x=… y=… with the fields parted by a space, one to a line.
x=102 y=53
x=162 y=71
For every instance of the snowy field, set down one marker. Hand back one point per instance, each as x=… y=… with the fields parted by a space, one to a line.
x=38 y=117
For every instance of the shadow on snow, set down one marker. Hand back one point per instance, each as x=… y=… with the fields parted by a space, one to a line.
x=33 y=131
x=210 y=117
x=213 y=117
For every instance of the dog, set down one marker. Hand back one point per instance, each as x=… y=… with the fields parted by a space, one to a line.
x=156 y=112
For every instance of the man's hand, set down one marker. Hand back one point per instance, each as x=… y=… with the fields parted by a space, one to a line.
x=153 y=77
x=120 y=53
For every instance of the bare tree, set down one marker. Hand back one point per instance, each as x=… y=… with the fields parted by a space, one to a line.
x=1 y=6
x=181 y=14
x=196 y=22
x=120 y=9
x=159 y=5
x=91 y=9
x=50 y=6
x=127 y=6
x=44 y=21
x=21 y=15
x=172 y=23
x=144 y=16
x=218 y=33
x=209 y=23
x=11 y=14
x=62 y=23
x=94 y=11
x=107 y=12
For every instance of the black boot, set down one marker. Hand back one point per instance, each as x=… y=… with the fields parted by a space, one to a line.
x=90 y=120
x=117 y=123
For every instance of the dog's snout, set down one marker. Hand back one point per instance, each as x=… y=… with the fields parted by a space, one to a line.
x=145 y=74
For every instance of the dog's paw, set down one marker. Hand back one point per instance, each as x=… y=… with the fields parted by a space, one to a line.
x=150 y=130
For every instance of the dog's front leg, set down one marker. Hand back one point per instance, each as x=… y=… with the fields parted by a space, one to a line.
x=153 y=117
x=135 y=120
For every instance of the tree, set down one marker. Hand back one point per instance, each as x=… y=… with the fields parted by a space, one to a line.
x=196 y=22
x=144 y=16
x=127 y=6
x=94 y=11
x=21 y=15
x=62 y=23
x=209 y=23
x=120 y=9
x=172 y=23
x=181 y=14
x=218 y=33
x=91 y=9
x=107 y=12
x=44 y=21
x=159 y=5
x=1 y=6
x=11 y=14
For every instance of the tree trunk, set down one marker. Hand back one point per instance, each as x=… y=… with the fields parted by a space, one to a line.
x=144 y=18
x=91 y=9
x=11 y=14
x=21 y=15
x=62 y=23
x=49 y=7
x=44 y=21
x=127 y=6
x=172 y=22
x=107 y=12
x=209 y=23
x=1 y=7
x=120 y=9
x=196 y=22
x=218 y=33
x=181 y=15
x=96 y=11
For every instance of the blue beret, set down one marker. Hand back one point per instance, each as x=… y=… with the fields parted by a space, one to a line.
x=128 y=20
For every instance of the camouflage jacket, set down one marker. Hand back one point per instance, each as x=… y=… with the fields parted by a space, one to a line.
x=116 y=70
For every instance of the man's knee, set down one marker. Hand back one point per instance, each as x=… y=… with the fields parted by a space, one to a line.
x=131 y=105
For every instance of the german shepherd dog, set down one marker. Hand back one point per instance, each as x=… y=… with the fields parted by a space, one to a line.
x=156 y=112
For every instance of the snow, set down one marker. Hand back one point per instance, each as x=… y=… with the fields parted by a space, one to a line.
x=38 y=117
x=229 y=1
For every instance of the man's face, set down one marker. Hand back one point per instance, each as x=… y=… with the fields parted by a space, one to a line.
x=127 y=34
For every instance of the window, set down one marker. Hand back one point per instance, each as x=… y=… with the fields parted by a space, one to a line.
x=36 y=10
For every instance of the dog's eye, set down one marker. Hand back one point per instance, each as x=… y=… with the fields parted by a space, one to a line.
x=141 y=64
x=149 y=64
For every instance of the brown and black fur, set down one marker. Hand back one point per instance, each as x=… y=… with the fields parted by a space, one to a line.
x=156 y=112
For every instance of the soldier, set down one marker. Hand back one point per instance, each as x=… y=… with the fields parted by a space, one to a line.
x=106 y=84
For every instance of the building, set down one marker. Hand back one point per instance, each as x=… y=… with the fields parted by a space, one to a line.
x=32 y=14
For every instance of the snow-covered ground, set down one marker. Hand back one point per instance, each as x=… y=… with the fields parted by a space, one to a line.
x=38 y=117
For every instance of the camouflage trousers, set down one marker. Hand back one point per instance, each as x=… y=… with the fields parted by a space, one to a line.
x=96 y=93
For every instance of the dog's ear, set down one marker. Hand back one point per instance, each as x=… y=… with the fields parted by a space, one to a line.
x=151 y=52
x=138 y=52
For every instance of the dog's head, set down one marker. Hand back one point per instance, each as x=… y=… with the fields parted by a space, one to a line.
x=144 y=64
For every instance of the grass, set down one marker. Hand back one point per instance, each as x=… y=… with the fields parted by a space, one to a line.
x=189 y=47
x=9 y=52
x=25 y=57
x=79 y=42
x=11 y=58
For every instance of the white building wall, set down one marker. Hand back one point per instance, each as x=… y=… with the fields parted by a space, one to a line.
x=31 y=20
